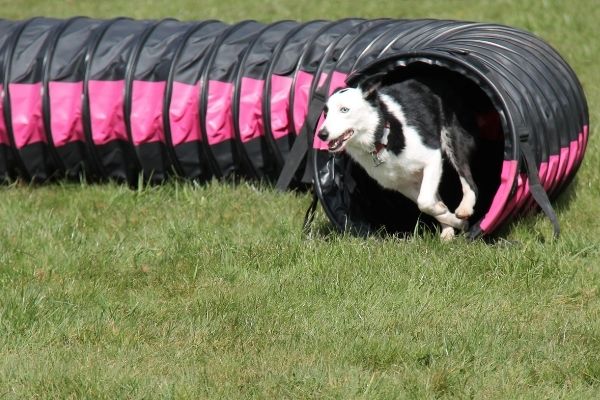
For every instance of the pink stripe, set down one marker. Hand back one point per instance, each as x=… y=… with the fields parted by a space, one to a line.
x=552 y=164
x=582 y=143
x=580 y=148
x=26 y=112
x=512 y=205
x=543 y=174
x=280 y=102
x=106 y=111
x=218 y=112
x=585 y=137
x=548 y=182
x=338 y=80
x=184 y=116
x=574 y=147
x=65 y=112
x=146 y=112
x=551 y=180
x=301 y=91
x=318 y=144
x=562 y=166
x=525 y=198
x=322 y=79
x=520 y=193
x=250 y=119
x=3 y=132
x=507 y=178
x=525 y=195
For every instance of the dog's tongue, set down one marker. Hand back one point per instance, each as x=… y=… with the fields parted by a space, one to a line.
x=336 y=144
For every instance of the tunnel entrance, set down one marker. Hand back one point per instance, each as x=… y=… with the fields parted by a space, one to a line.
x=361 y=205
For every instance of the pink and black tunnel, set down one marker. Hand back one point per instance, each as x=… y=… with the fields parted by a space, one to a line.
x=123 y=99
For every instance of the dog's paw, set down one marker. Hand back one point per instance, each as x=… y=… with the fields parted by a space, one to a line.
x=463 y=212
x=452 y=220
x=447 y=234
x=460 y=224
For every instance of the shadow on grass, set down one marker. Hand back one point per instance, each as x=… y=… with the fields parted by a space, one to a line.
x=327 y=231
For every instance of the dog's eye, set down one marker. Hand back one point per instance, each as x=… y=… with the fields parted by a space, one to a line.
x=325 y=111
x=344 y=109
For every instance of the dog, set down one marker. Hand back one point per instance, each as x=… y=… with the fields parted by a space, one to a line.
x=400 y=133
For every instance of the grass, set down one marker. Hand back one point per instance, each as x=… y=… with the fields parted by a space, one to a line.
x=213 y=292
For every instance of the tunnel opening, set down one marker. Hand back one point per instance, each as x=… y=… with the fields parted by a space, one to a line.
x=355 y=202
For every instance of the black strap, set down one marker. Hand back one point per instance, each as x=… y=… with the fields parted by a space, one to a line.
x=535 y=187
x=300 y=148
x=293 y=161
x=309 y=217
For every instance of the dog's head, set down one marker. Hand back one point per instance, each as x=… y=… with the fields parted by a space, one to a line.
x=351 y=118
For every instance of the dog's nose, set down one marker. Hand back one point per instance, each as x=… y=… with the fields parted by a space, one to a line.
x=323 y=134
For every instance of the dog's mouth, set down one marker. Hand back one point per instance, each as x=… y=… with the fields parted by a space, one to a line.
x=337 y=145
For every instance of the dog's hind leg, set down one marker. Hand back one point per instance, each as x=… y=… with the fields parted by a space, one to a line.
x=467 y=204
x=446 y=219
x=458 y=148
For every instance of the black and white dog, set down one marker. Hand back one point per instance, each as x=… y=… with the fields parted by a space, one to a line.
x=399 y=134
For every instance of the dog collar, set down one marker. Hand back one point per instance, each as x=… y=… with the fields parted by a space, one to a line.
x=380 y=145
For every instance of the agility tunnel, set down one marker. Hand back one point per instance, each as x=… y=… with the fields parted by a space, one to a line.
x=122 y=99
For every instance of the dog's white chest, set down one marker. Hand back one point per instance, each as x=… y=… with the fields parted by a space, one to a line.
x=392 y=172
x=397 y=171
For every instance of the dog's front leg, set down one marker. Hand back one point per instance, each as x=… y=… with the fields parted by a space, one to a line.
x=447 y=233
x=429 y=201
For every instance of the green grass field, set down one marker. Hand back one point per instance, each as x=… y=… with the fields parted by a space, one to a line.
x=213 y=292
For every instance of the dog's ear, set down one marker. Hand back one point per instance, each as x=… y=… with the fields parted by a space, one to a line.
x=370 y=88
x=370 y=84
